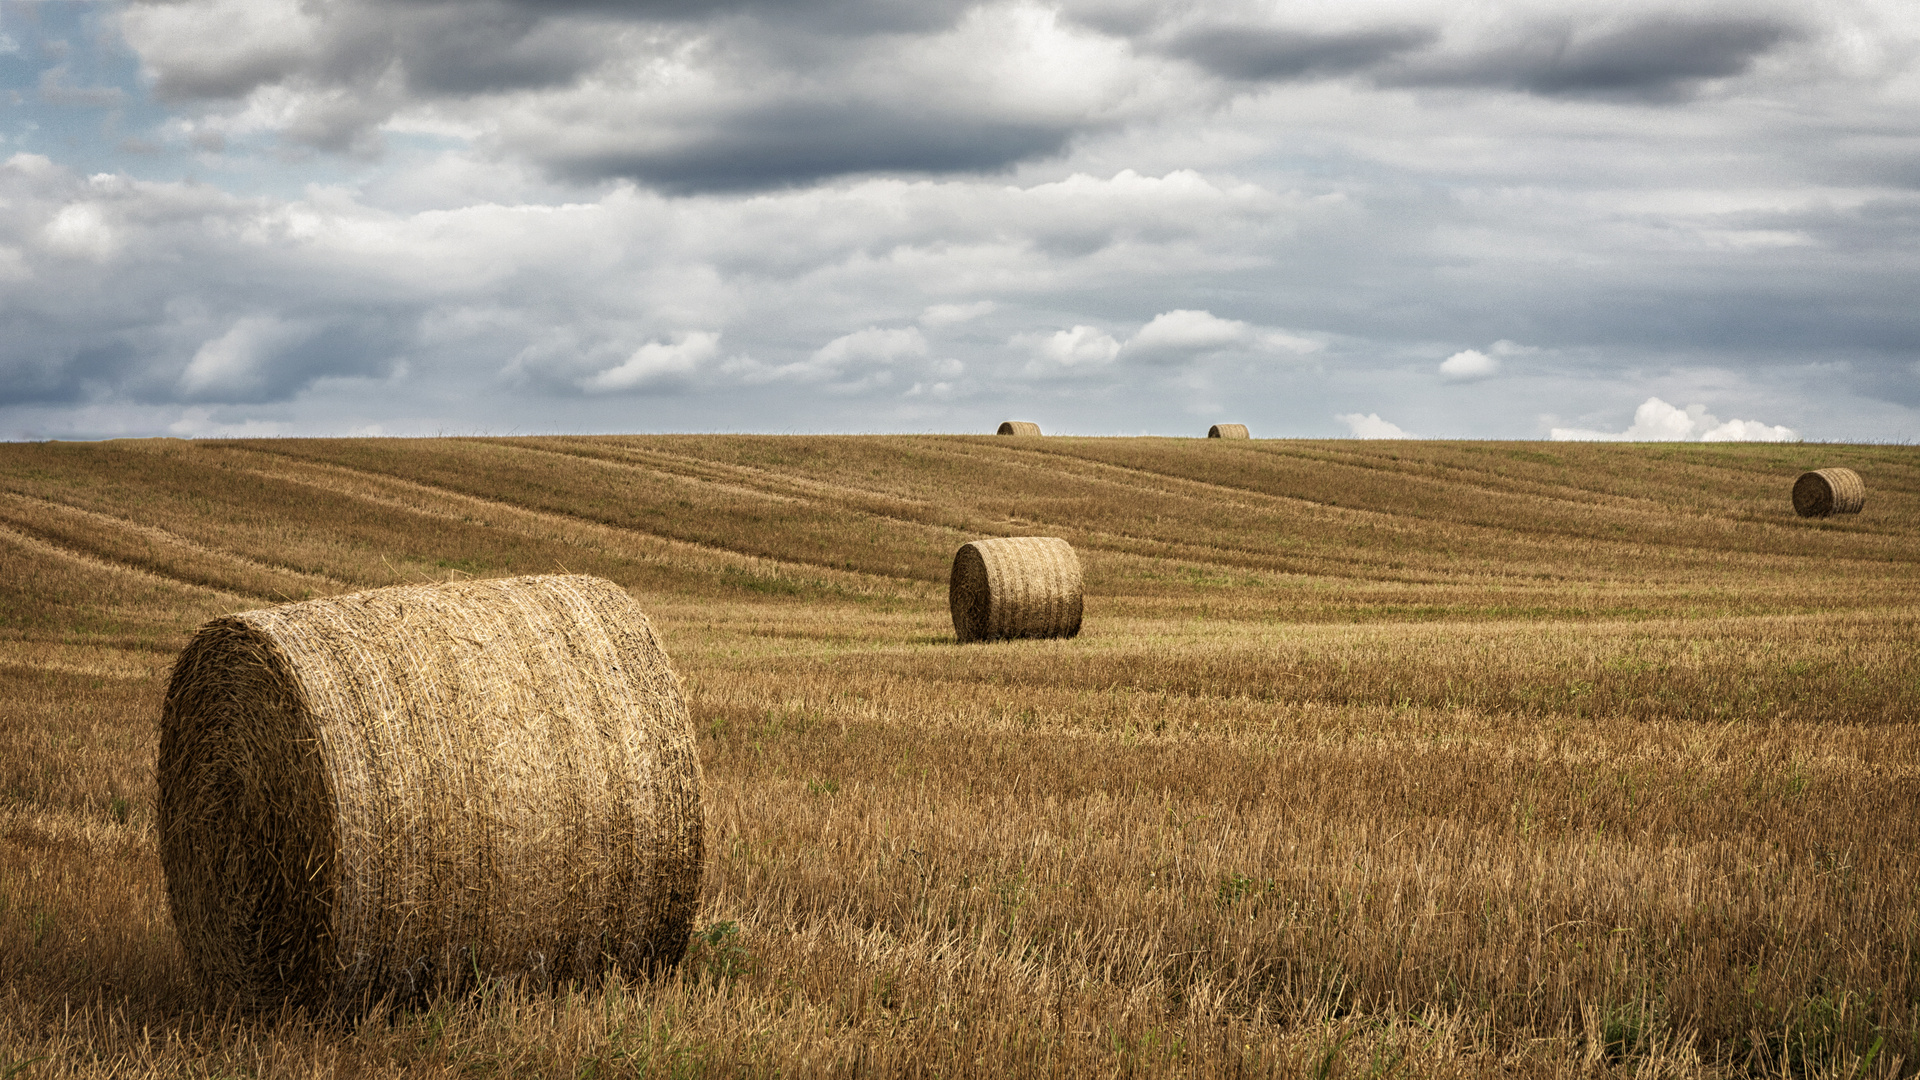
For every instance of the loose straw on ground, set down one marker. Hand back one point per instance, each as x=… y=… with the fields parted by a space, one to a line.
x=1015 y=587
x=420 y=787
x=1829 y=491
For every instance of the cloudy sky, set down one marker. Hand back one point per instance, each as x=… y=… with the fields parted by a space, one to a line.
x=1503 y=219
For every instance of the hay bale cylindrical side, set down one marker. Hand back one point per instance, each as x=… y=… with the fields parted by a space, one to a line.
x=1015 y=587
x=1018 y=427
x=1228 y=431
x=1829 y=491
x=407 y=789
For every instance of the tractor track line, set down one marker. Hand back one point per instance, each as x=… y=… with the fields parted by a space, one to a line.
x=586 y=534
x=35 y=543
x=163 y=536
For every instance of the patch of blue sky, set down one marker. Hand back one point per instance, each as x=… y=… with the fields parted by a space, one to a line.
x=72 y=90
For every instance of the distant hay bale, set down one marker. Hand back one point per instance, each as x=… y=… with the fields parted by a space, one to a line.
x=416 y=787
x=1228 y=431
x=1018 y=427
x=1828 y=491
x=1015 y=587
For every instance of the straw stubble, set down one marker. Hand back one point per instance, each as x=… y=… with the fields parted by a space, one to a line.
x=405 y=789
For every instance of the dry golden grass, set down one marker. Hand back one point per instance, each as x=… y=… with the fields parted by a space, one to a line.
x=1411 y=759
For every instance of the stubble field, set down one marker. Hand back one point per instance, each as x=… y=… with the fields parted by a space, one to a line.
x=1410 y=759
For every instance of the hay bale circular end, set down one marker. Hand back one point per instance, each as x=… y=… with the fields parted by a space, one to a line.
x=1018 y=427
x=409 y=789
x=1228 y=431
x=1015 y=587
x=1829 y=491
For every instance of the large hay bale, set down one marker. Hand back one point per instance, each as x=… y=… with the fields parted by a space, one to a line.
x=1018 y=427
x=1015 y=587
x=1228 y=431
x=412 y=788
x=1828 y=491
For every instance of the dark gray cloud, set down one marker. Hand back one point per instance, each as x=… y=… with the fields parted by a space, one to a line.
x=847 y=17
x=465 y=48
x=491 y=48
x=137 y=359
x=150 y=294
x=1259 y=53
x=727 y=96
x=783 y=145
x=1652 y=57
x=1656 y=58
x=435 y=49
x=42 y=363
x=757 y=94
x=267 y=358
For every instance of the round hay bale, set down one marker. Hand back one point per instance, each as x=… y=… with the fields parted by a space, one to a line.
x=1015 y=587
x=1828 y=491
x=414 y=788
x=1228 y=431
x=1018 y=427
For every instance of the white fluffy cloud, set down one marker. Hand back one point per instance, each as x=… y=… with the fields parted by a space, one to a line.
x=1171 y=337
x=1657 y=421
x=1748 y=431
x=874 y=359
x=1469 y=364
x=873 y=347
x=1370 y=426
x=1078 y=347
x=1179 y=334
x=657 y=363
x=873 y=343
x=80 y=229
